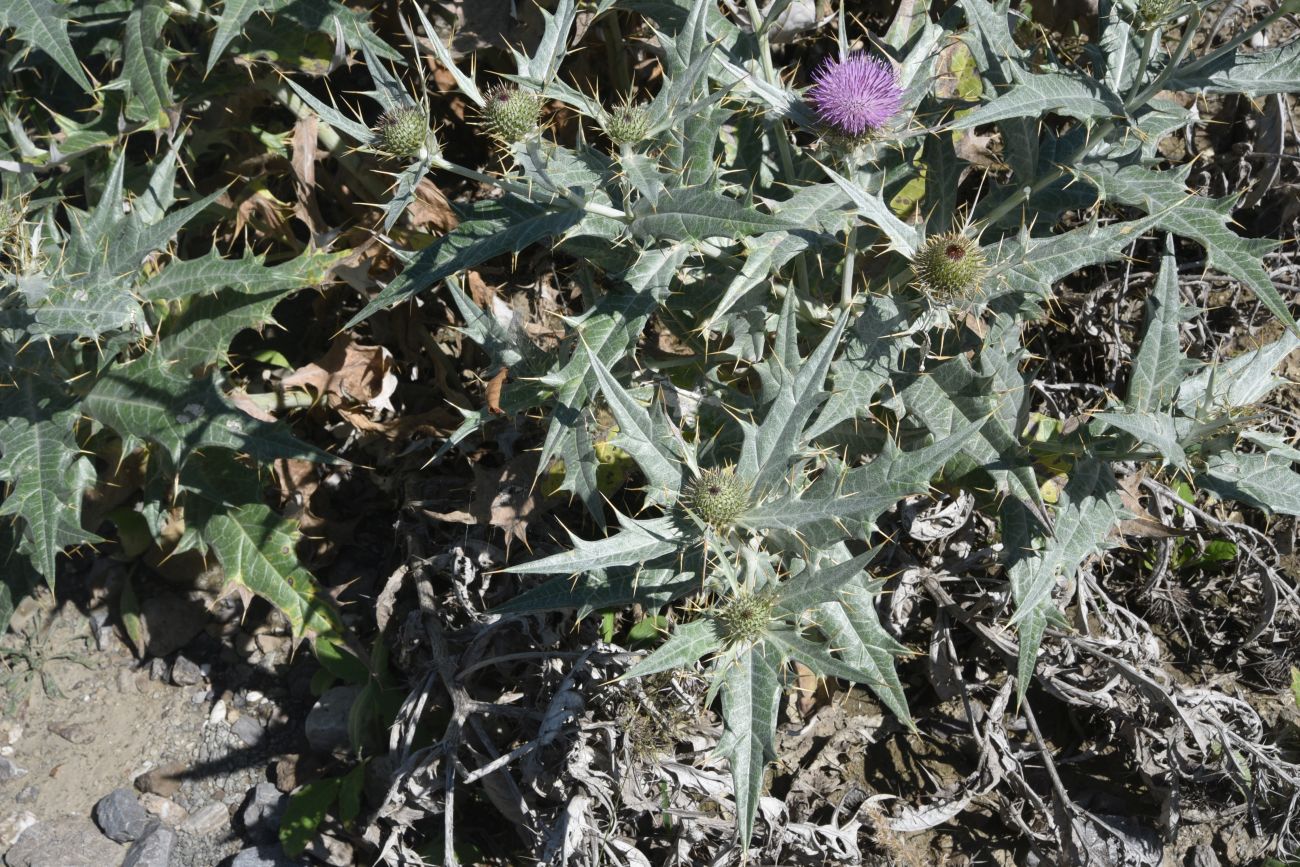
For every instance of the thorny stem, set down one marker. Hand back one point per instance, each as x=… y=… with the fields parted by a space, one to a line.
x=1189 y=31
x=782 y=140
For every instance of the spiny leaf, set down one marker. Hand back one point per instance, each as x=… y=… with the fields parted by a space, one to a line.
x=250 y=274
x=1261 y=481
x=636 y=542
x=1076 y=96
x=1159 y=368
x=697 y=213
x=43 y=25
x=689 y=643
x=637 y=437
x=1273 y=70
x=598 y=589
x=751 y=694
x=41 y=460
x=234 y=14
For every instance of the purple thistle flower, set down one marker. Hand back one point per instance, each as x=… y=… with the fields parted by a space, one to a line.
x=857 y=94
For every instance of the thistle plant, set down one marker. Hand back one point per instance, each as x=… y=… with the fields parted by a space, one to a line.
x=816 y=392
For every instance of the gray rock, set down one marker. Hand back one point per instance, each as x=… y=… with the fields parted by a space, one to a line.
x=120 y=816
x=249 y=730
x=158 y=669
x=186 y=672
x=154 y=849
x=327 y=723
x=260 y=856
x=207 y=820
x=263 y=808
x=27 y=795
x=9 y=771
x=72 y=841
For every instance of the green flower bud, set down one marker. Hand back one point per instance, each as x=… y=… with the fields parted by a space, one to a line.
x=718 y=497
x=512 y=114
x=403 y=133
x=745 y=618
x=628 y=124
x=1153 y=12
x=949 y=268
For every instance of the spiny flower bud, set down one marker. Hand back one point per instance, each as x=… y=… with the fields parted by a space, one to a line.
x=512 y=113
x=718 y=497
x=857 y=95
x=745 y=618
x=949 y=267
x=628 y=124
x=403 y=133
x=1153 y=12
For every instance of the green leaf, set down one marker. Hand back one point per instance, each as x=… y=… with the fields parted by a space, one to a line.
x=234 y=14
x=863 y=367
x=696 y=213
x=332 y=116
x=636 y=542
x=43 y=25
x=128 y=611
x=256 y=550
x=818 y=586
x=689 y=643
x=1155 y=429
x=185 y=277
x=1256 y=480
x=1074 y=96
x=308 y=807
x=490 y=233
x=999 y=59
x=40 y=459
x=145 y=64
x=1159 y=368
x=1033 y=265
x=201 y=334
x=751 y=696
x=155 y=400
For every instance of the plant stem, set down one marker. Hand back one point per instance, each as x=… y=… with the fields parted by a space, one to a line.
x=850 y=260
x=1189 y=32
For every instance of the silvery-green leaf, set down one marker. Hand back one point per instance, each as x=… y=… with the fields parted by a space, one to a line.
x=489 y=233
x=1159 y=368
x=819 y=584
x=637 y=437
x=145 y=64
x=689 y=643
x=463 y=82
x=697 y=213
x=1089 y=509
x=635 y=542
x=1261 y=481
x=1164 y=195
x=1239 y=381
x=183 y=278
x=332 y=116
x=234 y=14
x=852 y=627
x=1154 y=428
x=902 y=237
x=1051 y=93
x=1259 y=73
x=600 y=589
x=751 y=693
x=999 y=59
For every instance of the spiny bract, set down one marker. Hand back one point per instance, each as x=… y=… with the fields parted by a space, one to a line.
x=402 y=132
x=744 y=618
x=628 y=124
x=949 y=267
x=718 y=497
x=511 y=113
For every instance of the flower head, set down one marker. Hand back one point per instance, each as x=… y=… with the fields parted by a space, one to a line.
x=402 y=132
x=512 y=114
x=856 y=95
x=949 y=268
x=628 y=124
x=718 y=497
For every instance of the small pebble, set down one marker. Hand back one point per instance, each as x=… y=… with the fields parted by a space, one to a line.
x=218 y=712
x=253 y=696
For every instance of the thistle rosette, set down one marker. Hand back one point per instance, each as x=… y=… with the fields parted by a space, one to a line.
x=949 y=268
x=856 y=96
x=512 y=114
x=403 y=133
